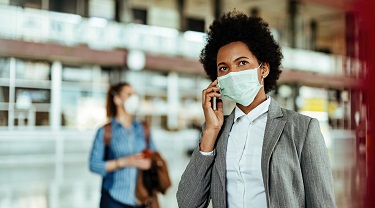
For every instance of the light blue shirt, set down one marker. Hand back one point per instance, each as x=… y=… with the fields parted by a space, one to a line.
x=124 y=142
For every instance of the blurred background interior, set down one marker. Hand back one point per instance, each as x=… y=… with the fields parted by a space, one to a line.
x=58 y=58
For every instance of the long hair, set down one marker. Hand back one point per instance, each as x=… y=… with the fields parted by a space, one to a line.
x=112 y=92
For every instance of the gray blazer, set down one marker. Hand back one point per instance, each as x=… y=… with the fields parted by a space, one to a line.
x=295 y=166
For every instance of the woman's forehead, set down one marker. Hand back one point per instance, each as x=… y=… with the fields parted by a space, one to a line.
x=127 y=89
x=234 y=50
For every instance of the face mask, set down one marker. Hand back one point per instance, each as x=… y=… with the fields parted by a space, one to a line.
x=240 y=87
x=131 y=104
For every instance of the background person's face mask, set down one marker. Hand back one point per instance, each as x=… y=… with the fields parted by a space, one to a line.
x=131 y=104
x=240 y=87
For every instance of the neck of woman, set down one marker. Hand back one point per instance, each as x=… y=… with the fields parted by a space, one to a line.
x=124 y=118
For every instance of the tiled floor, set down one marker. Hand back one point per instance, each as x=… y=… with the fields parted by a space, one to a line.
x=38 y=181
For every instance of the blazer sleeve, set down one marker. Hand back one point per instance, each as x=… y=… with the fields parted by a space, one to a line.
x=316 y=170
x=194 y=187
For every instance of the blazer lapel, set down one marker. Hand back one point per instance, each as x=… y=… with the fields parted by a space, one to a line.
x=221 y=148
x=274 y=127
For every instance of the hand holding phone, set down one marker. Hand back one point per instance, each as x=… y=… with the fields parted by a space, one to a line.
x=212 y=106
x=214 y=117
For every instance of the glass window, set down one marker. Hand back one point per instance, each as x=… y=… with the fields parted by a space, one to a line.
x=140 y=16
x=102 y=8
x=32 y=70
x=34 y=95
x=37 y=4
x=42 y=119
x=66 y=6
x=4 y=68
x=195 y=24
x=3 y=118
x=83 y=92
x=4 y=94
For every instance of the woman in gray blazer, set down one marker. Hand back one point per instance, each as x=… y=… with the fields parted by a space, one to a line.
x=261 y=155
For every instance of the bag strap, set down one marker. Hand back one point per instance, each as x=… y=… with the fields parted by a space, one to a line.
x=146 y=133
x=107 y=134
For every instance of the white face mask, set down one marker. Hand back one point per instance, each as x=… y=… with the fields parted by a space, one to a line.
x=131 y=104
x=240 y=87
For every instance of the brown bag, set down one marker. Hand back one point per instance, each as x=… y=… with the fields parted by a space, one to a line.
x=154 y=180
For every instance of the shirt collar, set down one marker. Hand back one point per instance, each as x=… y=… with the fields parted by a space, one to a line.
x=255 y=113
x=116 y=123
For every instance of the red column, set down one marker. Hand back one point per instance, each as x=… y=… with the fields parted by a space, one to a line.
x=368 y=52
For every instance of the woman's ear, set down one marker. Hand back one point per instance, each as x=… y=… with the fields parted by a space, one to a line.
x=264 y=70
x=116 y=100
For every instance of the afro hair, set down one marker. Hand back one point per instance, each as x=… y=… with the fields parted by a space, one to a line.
x=254 y=32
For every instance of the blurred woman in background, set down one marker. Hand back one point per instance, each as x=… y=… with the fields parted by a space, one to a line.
x=116 y=152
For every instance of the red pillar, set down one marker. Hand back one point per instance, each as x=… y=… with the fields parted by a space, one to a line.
x=368 y=52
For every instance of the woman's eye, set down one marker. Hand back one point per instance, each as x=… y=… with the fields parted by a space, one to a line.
x=222 y=68
x=242 y=63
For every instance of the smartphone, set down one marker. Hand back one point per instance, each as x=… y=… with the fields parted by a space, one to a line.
x=214 y=107
x=214 y=103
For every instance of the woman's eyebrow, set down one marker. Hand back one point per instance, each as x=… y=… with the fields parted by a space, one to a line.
x=241 y=57
x=221 y=63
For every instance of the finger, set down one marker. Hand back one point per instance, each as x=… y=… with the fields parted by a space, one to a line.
x=219 y=105
x=214 y=83
x=203 y=96
x=208 y=90
x=138 y=156
x=146 y=160
x=208 y=99
x=212 y=94
x=211 y=89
